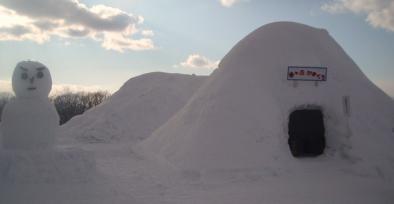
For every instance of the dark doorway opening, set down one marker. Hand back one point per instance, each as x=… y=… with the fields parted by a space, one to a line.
x=306 y=133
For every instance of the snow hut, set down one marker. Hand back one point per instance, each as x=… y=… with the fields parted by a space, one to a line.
x=255 y=110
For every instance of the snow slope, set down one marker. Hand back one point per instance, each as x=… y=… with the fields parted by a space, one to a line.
x=140 y=106
x=238 y=118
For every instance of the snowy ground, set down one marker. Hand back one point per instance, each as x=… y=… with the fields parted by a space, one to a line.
x=126 y=177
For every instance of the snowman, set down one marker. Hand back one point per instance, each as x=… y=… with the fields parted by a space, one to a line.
x=30 y=120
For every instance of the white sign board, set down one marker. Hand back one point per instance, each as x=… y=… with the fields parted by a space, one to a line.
x=307 y=73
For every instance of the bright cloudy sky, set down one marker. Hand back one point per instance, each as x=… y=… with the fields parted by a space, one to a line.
x=92 y=44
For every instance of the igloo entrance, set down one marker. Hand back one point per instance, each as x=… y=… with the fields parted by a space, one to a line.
x=306 y=133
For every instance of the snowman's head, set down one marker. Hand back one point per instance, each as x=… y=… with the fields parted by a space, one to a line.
x=31 y=79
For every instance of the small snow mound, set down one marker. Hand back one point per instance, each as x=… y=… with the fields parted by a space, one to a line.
x=46 y=166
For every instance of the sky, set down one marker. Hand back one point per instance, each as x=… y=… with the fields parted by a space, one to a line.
x=99 y=44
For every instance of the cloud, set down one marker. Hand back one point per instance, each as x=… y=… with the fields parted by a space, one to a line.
x=6 y=87
x=380 y=13
x=228 y=3
x=39 y=20
x=147 y=33
x=199 y=61
x=16 y=30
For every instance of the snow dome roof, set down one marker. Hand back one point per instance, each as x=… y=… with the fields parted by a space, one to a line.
x=238 y=118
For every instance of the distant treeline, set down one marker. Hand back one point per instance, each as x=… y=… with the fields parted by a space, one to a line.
x=68 y=105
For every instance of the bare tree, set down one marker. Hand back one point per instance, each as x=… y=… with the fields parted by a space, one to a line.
x=69 y=105
x=4 y=99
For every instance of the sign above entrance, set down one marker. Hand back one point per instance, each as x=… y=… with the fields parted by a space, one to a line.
x=307 y=73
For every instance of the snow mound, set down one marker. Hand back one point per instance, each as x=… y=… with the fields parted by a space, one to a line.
x=140 y=106
x=46 y=166
x=239 y=118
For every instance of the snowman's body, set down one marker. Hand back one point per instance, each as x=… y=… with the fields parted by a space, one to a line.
x=29 y=124
x=30 y=121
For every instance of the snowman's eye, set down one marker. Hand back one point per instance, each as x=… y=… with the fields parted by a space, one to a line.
x=40 y=74
x=24 y=76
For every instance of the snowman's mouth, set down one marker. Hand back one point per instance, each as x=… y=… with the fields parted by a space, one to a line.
x=31 y=88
